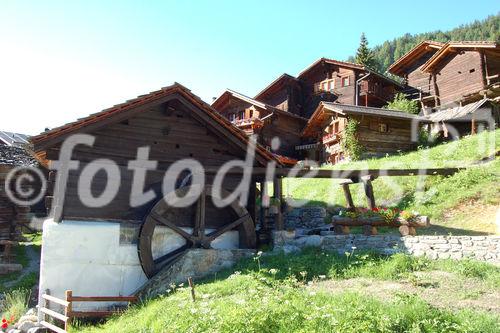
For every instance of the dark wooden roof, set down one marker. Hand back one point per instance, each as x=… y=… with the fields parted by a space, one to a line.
x=458 y=112
x=398 y=67
x=223 y=98
x=350 y=65
x=452 y=46
x=122 y=111
x=276 y=84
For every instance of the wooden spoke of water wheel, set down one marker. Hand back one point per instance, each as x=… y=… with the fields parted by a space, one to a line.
x=198 y=238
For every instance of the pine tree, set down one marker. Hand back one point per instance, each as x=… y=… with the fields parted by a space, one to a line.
x=364 y=56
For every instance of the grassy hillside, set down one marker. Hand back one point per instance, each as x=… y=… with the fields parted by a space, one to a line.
x=464 y=203
x=319 y=291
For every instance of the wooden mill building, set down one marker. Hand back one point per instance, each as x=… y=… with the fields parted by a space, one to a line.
x=114 y=249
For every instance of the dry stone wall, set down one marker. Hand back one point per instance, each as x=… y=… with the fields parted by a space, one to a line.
x=485 y=248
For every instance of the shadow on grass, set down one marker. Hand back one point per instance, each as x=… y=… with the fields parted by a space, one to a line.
x=434 y=229
x=314 y=263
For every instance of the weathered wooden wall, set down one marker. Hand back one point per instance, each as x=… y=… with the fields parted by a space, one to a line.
x=458 y=75
x=172 y=134
x=374 y=142
x=418 y=79
x=287 y=129
x=12 y=216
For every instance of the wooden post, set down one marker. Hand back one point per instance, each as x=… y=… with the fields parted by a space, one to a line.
x=46 y=305
x=264 y=203
x=191 y=285
x=278 y=196
x=252 y=201
x=367 y=182
x=69 y=309
x=473 y=126
x=347 y=194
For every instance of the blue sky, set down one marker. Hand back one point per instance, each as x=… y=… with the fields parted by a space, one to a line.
x=61 y=60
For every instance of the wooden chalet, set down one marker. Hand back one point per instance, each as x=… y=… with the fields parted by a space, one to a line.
x=328 y=80
x=456 y=72
x=380 y=131
x=261 y=119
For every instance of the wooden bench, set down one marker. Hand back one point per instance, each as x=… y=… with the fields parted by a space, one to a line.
x=342 y=224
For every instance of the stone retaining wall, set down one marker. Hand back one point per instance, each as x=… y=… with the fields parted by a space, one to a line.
x=486 y=248
x=305 y=218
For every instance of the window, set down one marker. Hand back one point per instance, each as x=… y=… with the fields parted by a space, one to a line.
x=327 y=85
x=336 y=130
x=383 y=128
x=232 y=117
x=345 y=81
x=242 y=115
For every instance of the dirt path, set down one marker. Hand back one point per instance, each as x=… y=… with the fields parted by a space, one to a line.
x=33 y=265
x=440 y=289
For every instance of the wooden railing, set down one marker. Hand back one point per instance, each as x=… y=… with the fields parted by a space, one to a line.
x=329 y=137
x=374 y=89
x=69 y=314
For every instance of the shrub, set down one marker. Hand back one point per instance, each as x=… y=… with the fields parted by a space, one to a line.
x=15 y=304
x=350 y=142
x=401 y=103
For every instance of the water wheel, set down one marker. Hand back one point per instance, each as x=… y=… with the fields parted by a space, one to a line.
x=199 y=217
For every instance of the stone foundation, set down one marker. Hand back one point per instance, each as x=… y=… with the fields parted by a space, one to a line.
x=485 y=248
x=196 y=263
x=305 y=218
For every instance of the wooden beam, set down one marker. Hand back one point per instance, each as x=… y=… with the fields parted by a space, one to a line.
x=353 y=174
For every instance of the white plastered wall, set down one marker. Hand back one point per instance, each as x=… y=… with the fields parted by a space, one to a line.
x=87 y=258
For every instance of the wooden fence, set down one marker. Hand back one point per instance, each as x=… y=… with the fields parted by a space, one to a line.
x=69 y=314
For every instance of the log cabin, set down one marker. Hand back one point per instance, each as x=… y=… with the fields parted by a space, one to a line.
x=329 y=80
x=114 y=249
x=380 y=132
x=440 y=74
x=263 y=120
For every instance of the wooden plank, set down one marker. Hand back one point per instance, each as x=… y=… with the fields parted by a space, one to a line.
x=103 y=299
x=54 y=314
x=55 y=300
x=92 y=314
x=52 y=327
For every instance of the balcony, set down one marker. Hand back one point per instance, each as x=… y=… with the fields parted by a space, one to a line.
x=330 y=137
x=374 y=89
x=317 y=90
x=249 y=122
